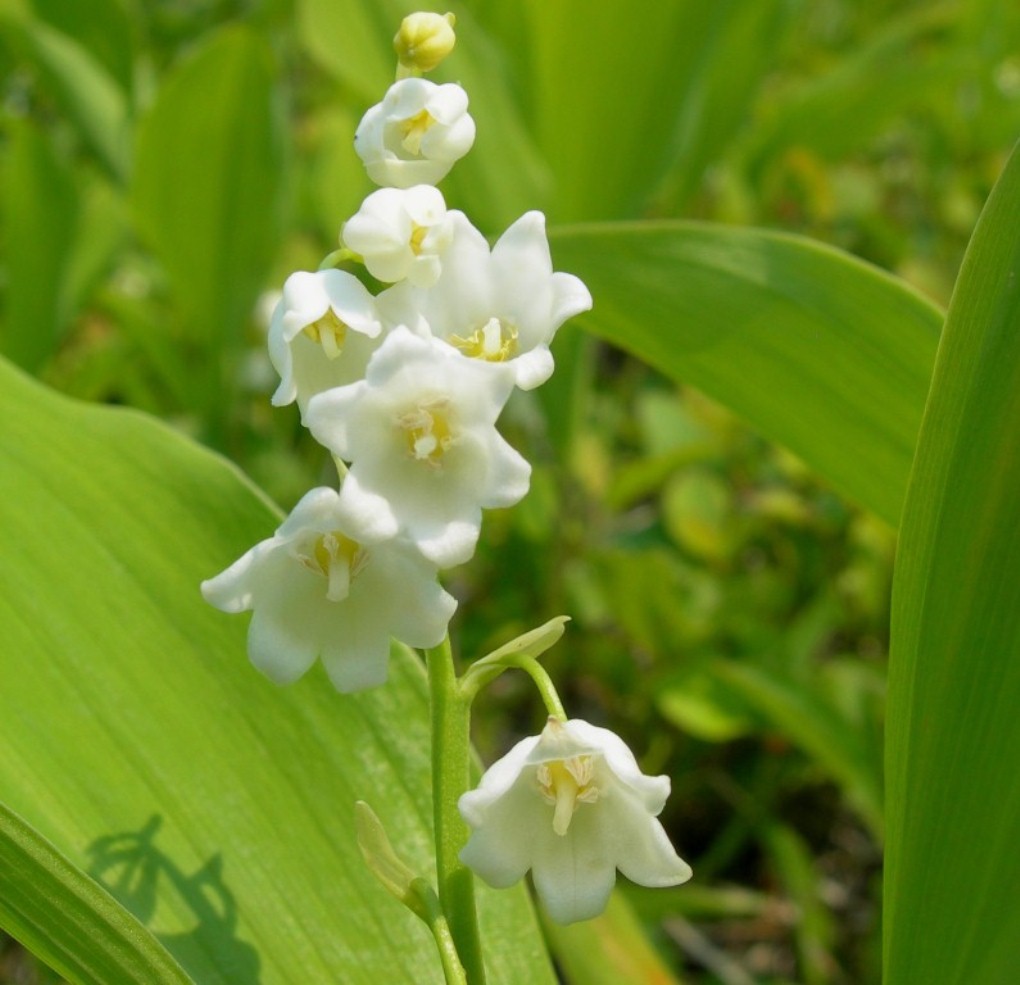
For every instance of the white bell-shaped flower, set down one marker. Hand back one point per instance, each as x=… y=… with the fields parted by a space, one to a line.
x=419 y=432
x=498 y=306
x=416 y=134
x=322 y=333
x=573 y=806
x=322 y=586
x=401 y=233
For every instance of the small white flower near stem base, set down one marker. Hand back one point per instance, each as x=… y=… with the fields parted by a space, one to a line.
x=322 y=587
x=321 y=335
x=502 y=305
x=420 y=435
x=416 y=134
x=401 y=233
x=573 y=806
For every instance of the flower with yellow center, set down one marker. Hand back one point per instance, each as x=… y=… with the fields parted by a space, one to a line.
x=322 y=332
x=572 y=806
x=324 y=586
x=401 y=233
x=420 y=435
x=502 y=305
x=495 y=341
x=416 y=134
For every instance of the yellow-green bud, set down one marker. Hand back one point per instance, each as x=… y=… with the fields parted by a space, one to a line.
x=424 y=40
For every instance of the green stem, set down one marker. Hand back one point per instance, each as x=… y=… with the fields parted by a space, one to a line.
x=452 y=968
x=451 y=777
x=545 y=686
x=481 y=674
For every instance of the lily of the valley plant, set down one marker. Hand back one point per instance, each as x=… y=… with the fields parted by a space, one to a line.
x=405 y=388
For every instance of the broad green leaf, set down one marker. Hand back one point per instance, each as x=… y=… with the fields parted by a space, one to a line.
x=87 y=92
x=69 y=920
x=208 y=180
x=217 y=807
x=503 y=174
x=817 y=350
x=40 y=206
x=621 y=92
x=953 y=740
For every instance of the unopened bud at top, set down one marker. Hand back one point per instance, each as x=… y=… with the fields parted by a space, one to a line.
x=424 y=40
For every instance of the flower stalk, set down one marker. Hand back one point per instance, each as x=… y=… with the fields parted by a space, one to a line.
x=450 y=712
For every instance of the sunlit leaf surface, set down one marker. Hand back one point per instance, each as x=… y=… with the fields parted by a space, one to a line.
x=217 y=807
x=65 y=917
x=954 y=680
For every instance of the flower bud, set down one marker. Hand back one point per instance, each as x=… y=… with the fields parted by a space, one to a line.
x=424 y=40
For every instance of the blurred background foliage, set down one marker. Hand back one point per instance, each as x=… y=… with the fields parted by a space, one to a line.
x=167 y=163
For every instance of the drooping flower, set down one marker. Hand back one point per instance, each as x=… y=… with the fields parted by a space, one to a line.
x=573 y=806
x=419 y=432
x=401 y=233
x=323 y=586
x=322 y=333
x=499 y=306
x=416 y=134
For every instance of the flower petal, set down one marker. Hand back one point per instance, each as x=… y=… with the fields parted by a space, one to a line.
x=275 y=649
x=496 y=850
x=572 y=877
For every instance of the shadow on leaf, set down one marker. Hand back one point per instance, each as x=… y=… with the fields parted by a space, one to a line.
x=139 y=874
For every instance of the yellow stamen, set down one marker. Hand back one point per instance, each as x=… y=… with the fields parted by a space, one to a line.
x=339 y=559
x=495 y=341
x=329 y=332
x=428 y=431
x=414 y=129
x=418 y=234
x=567 y=783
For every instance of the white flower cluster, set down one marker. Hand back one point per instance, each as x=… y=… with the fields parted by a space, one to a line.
x=405 y=387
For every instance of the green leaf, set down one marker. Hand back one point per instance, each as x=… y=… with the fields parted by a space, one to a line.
x=703 y=705
x=954 y=687
x=806 y=718
x=40 y=206
x=349 y=39
x=89 y=95
x=840 y=111
x=817 y=350
x=217 y=807
x=620 y=93
x=814 y=929
x=54 y=909
x=102 y=26
x=207 y=192
x=529 y=645
x=698 y=513
x=612 y=949
x=100 y=236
